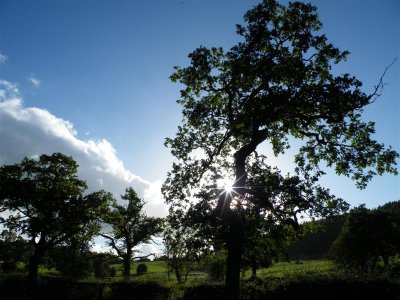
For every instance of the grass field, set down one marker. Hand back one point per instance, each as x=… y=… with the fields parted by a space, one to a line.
x=296 y=268
x=158 y=271
x=283 y=280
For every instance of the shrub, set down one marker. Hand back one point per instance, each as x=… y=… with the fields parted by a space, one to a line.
x=101 y=269
x=215 y=266
x=139 y=291
x=113 y=272
x=366 y=238
x=204 y=291
x=101 y=265
x=9 y=266
x=141 y=269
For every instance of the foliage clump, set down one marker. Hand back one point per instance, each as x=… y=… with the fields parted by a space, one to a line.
x=44 y=200
x=130 y=226
x=368 y=237
x=141 y=269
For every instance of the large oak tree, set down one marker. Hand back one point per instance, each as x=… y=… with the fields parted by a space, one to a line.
x=274 y=86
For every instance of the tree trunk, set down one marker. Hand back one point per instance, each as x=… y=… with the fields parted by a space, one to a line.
x=127 y=264
x=34 y=261
x=235 y=251
x=235 y=239
x=385 y=261
x=253 y=266
x=178 y=274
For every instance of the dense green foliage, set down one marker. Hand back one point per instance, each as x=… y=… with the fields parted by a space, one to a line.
x=367 y=237
x=317 y=239
x=13 y=249
x=75 y=261
x=43 y=200
x=141 y=269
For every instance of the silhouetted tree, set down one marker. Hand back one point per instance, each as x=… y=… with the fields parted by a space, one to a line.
x=72 y=258
x=273 y=85
x=13 y=248
x=393 y=207
x=129 y=227
x=44 y=201
x=181 y=247
x=317 y=239
x=367 y=236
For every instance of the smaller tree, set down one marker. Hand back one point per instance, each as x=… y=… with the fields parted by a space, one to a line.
x=129 y=227
x=13 y=248
x=265 y=241
x=367 y=236
x=43 y=200
x=72 y=259
x=178 y=252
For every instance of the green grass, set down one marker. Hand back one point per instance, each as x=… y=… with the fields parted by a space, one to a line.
x=157 y=271
x=283 y=269
x=280 y=275
x=48 y=272
x=152 y=267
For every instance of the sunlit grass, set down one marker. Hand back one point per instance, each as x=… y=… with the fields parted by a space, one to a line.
x=157 y=271
x=283 y=269
x=49 y=272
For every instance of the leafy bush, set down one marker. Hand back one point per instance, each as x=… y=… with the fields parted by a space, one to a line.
x=204 y=291
x=367 y=237
x=141 y=269
x=76 y=267
x=215 y=266
x=139 y=291
x=101 y=265
x=9 y=266
x=113 y=272
x=317 y=286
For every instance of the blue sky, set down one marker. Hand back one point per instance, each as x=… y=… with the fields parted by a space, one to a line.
x=103 y=67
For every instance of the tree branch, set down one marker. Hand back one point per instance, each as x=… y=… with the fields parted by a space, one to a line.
x=379 y=86
x=113 y=244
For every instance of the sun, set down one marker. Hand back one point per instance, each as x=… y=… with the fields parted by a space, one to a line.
x=227 y=184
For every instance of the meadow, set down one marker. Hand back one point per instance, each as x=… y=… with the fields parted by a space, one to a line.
x=158 y=271
x=312 y=279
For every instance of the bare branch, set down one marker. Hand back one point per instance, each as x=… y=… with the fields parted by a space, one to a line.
x=112 y=244
x=379 y=86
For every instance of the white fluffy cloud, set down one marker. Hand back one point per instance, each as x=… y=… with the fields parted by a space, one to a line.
x=31 y=131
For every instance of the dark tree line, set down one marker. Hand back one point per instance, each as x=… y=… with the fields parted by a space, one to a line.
x=368 y=237
x=317 y=239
